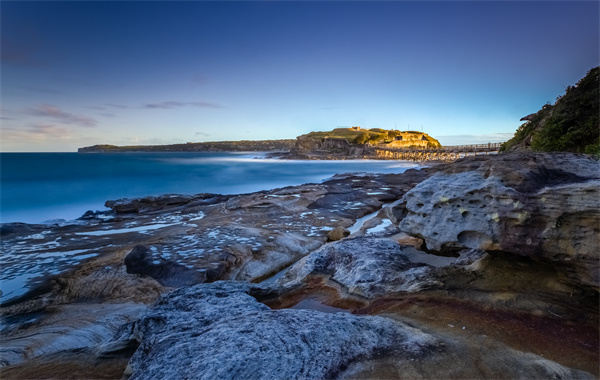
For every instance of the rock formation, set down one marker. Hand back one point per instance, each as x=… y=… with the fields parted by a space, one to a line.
x=354 y=142
x=542 y=206
x=482 y=268
x=235 y=336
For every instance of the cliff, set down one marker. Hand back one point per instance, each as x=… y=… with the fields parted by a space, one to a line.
x=355 y=142
x=569 y=125
x=214 y=146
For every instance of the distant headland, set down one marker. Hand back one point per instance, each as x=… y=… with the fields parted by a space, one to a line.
x=351 y=140
x=213 y=146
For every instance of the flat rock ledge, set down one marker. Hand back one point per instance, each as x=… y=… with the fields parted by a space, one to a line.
x=219 y=331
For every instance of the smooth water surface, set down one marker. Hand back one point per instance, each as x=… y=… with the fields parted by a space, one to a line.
x=37 y=187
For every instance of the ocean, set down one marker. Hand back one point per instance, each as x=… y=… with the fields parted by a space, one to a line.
x=49 y=187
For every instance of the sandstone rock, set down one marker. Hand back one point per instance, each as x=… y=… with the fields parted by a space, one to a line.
x=15 y=228
x=546 y=207
x=141 y=260
x=404 y=239
x=474 y=358
x=338 y=233
x=64 y=328
x=156 y=203
x=366 y=267
x=219 y=331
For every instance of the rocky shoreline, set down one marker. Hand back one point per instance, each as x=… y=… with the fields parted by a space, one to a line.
x=487 y=267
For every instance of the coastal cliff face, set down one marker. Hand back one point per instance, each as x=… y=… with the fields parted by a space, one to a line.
x=357 y=143
x=340 y=143
x=483 y=268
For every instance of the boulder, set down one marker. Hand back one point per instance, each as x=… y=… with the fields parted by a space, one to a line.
x=219 y=331
x=338 y=233
x=538 y=205
x=15 y=228
x=365 y=266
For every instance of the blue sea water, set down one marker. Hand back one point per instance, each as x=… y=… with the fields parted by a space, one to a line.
x=39 y=187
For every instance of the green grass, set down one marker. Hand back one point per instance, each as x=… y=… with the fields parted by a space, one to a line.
x=363 y=136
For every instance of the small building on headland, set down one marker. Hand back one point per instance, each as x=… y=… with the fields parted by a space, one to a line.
x=410 y=135
x=413 y=138
x=356 y=128
x=403 y=139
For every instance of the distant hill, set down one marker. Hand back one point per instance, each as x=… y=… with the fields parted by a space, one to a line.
x=569 y=125
x=214 y=146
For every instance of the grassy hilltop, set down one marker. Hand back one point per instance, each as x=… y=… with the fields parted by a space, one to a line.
x=357 y=135
x=570 y=125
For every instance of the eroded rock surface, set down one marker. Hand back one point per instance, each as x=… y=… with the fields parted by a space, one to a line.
x=543 y=206
x=63 y=329
x=220 y=330
x=487 y=269
x=216 y=331
x=365 y=266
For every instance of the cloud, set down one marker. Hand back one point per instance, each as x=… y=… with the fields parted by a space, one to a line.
x=47 y=110
x=136 y=140
x=50 y=130
x=169 y=104
x=203 y=134
x=36 y=132
x=120 y=106
x=177 y=104
x=18 y=52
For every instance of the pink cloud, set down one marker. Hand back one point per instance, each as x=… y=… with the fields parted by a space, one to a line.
x=36 y=132
x=46 y=110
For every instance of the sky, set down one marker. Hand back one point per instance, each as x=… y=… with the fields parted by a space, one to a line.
x=75 y=74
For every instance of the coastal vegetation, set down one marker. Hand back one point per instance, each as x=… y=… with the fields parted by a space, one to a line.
x=571 y=124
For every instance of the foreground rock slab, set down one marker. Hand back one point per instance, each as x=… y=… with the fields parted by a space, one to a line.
x=219 y=331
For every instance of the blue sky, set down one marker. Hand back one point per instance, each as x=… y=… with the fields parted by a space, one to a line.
x=130 y=72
